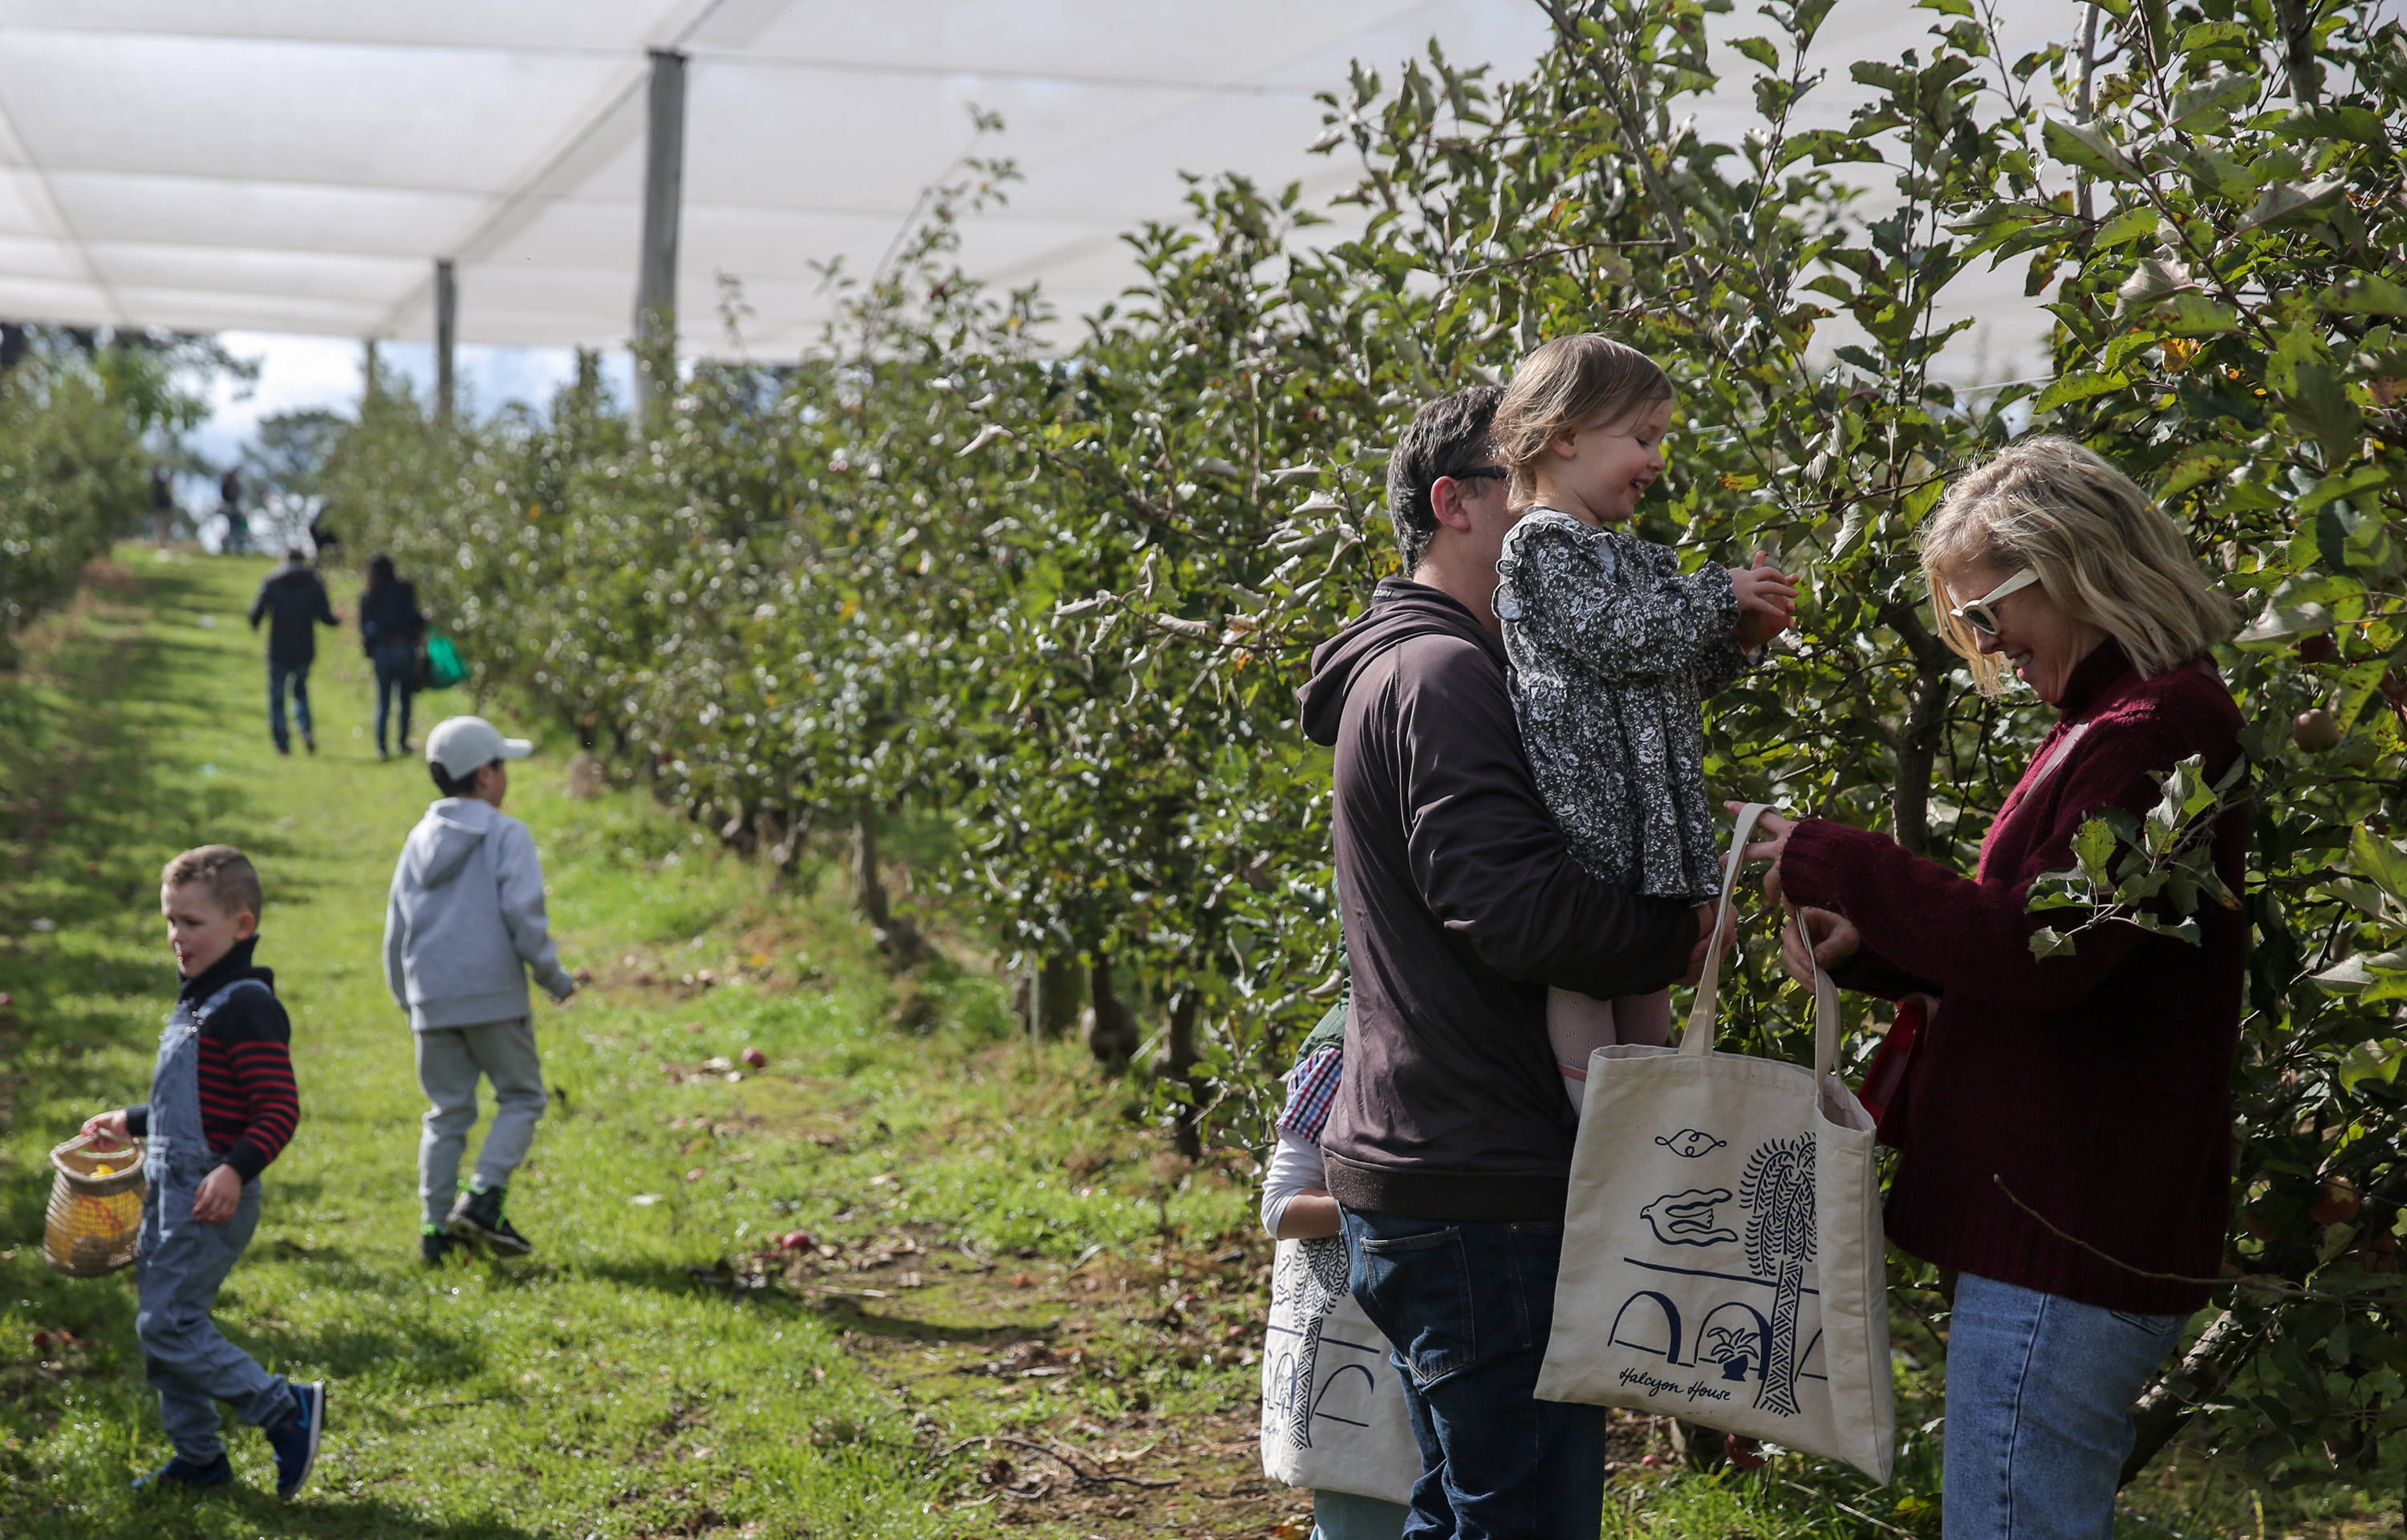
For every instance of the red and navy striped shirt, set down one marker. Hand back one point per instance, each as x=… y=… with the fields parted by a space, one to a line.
x=249 y=1105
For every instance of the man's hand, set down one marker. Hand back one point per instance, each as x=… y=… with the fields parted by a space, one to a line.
x=1706 y=941
x=220 y=1190
x=1835 y=939
x=1767 y=600
x=108 y=1127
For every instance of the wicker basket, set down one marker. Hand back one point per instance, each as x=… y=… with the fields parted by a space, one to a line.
x=95 y=1219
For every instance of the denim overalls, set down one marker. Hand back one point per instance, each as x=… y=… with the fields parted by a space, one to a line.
x=182 y=1261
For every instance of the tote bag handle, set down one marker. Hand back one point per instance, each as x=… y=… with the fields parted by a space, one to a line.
x=1698 y=1041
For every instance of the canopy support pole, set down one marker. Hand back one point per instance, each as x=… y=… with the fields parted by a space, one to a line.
x=446 y=330
x=656 y=271
x=368 y=367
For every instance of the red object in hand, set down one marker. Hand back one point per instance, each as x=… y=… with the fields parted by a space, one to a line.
x=1884 y=1084
x=1743 y=1453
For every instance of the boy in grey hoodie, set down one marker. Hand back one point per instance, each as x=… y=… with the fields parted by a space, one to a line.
x=462 y=929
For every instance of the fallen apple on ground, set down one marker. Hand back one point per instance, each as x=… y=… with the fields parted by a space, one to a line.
x=757 y=1059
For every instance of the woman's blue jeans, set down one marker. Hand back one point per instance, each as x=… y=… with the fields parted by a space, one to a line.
x=2039 y=1410
x=396 y=675
x=1466 y=1309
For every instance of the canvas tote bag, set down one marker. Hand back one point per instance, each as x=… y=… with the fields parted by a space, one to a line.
x=1723 y=1260
x=1334 y=1414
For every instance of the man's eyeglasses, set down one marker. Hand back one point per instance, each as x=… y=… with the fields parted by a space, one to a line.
x=1980 y=613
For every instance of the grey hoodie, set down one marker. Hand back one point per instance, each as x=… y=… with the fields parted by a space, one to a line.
x=465 y=922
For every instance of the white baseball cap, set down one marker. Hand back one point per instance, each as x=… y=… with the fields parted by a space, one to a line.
x=461 y=743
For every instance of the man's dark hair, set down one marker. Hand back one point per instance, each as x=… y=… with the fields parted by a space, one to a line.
x=453 y=786
x=1448 y=437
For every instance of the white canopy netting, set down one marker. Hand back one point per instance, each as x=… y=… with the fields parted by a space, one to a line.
x=299 y=165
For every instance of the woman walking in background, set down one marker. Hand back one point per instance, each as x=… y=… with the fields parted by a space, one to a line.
x=391 y=626
x=2065 y=1120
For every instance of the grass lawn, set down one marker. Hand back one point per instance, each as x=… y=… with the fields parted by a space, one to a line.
x=1006 y=1308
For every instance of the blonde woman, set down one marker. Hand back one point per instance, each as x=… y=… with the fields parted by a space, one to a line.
x=2065 y=1120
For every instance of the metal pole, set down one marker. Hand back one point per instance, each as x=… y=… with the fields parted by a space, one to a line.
x=368 y=367
x=446 y=327
x=656 y=271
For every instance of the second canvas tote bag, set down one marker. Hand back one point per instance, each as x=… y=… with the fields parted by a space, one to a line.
x=1723 y=1260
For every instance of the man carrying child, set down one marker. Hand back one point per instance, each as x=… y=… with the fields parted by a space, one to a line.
x=1448 y=1147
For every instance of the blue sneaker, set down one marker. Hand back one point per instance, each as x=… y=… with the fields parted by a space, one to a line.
x=180 y=1472
x=295 y=1438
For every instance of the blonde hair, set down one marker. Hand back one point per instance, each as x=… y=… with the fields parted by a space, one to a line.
x=1569 y=384
x=2102 y=547
x=224 y=873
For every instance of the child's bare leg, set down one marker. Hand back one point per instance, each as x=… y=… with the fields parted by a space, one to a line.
x=1576 y=1025
x=1643 y=1018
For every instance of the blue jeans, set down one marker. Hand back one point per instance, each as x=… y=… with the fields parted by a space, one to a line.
x=296 y=677
x=2039 y=1410
x=396 y=675
x=1467 y=1307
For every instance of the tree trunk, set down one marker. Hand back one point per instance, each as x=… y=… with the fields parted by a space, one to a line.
x=2203 y=1371
x=1917 y=745
x=1053 y=1011
x=1178 y=1063
x=897 y=938
x=2297 y=20
x=1107 y=1023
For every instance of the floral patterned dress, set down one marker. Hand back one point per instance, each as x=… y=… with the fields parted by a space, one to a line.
x=1613 y=650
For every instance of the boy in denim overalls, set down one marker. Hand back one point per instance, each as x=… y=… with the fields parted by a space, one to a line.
x=222 y=1106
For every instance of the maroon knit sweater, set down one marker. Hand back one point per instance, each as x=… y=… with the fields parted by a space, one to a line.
x=2098 y=1086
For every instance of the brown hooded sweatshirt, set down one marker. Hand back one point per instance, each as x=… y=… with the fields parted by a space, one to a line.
x=1460 y=905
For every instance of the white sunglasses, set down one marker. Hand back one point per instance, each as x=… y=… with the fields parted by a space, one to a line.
x=1979 y=613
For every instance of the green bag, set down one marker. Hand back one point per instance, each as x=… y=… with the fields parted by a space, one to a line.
x=439 y=666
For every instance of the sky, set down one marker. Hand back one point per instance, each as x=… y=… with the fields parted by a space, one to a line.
x=299 y=372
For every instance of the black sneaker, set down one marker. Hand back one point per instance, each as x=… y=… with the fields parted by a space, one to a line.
x=310 y=742
x=438 y=1243
x=295 y=1437
x=478 y=1215
x=182 y=1473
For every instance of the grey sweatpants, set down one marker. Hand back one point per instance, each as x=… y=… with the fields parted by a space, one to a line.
x=449 y=1060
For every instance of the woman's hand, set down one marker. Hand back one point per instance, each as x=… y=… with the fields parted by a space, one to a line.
x=1770 y=850
x=108 y=1127
x=1834 y=939
x=220 y=1190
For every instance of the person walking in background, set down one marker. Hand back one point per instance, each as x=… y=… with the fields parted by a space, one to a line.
x=2064 y=1123
x=392 y=627
x=464 y=925
x=162 y=505
x=238 y=536
x=294 y=602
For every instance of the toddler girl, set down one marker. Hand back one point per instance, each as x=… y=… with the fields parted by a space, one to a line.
x=1613 y=648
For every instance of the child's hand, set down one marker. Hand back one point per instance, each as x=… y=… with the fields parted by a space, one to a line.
x=220 y=1190
x=1767 y=600
x=108 y=1126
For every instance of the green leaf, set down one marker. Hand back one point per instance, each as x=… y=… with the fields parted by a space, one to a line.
x=2047 y=942
x=2362 y=124
x=2093 y=846
x=2358 y=974
x=2129 y=226
x=2324 y=405
x=2379 y=861
x=2371 y=294
x=2154 y=278
x=2068 y=389
x=2086 y=145
x=2203 y=108
x=2287 y=201
x=2193 y=315
x=1759 y=50
x=2342 y=484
